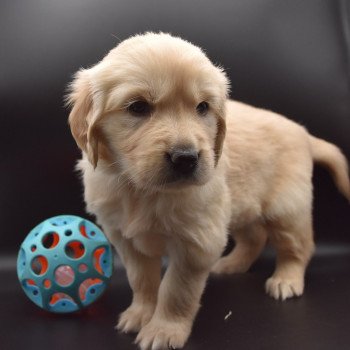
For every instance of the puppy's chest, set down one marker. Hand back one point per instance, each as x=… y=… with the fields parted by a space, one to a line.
x=164 y=218
x=148 y=224
x=145 y=217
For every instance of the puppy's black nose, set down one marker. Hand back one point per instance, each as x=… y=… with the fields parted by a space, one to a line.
x=184 y=160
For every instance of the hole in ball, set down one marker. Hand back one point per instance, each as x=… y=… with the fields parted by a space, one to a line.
x=98 y=253
x=50 y=240
x=82 y=268
x=39 y=265
x=74 y=249
x=64 y=275
x=86 y=286
x=60 y=297
x=82 y=230
x=47 y=284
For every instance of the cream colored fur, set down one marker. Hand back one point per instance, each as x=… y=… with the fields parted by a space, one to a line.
x=255 y=182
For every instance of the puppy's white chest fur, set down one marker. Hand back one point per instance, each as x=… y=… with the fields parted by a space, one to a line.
x=198 y=215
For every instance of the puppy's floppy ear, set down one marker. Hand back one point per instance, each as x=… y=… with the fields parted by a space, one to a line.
x=224 y=88
x=219 y=140
x=84 y=115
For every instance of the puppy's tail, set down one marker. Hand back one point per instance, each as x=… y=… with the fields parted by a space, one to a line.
x=331 y=157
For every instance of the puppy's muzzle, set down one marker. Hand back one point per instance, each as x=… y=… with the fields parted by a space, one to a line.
x=183 y=161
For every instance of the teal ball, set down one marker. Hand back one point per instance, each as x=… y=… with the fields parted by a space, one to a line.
x=65 y=264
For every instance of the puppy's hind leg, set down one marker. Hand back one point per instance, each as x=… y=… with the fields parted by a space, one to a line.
x=250 y=241
x=293 y=241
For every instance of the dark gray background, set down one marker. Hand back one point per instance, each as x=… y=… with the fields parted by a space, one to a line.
x=291 y=56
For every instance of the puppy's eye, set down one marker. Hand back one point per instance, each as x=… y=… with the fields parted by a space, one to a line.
x=140 y=108
x=203 y=108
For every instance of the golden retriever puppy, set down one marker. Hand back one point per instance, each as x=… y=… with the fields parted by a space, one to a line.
x=163 y=179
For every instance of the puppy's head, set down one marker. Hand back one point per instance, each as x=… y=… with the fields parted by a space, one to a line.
x=154 y=107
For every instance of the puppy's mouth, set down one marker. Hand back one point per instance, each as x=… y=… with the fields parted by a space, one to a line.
x=174 y=179
x=166 y=179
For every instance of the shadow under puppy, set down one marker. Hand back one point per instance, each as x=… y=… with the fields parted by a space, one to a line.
x=170 y=166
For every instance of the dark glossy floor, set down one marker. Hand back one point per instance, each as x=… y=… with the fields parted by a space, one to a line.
x=318 y=320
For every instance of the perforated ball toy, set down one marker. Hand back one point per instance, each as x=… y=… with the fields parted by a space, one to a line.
x=64 y=264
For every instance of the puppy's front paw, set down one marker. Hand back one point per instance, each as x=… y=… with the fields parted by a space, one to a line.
x=161 y=334
x=135 y=317
x=284 y=288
